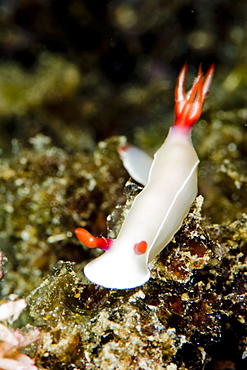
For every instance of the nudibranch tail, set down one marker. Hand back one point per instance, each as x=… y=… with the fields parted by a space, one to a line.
x=136 y=162
x=188 y=106
x=91 y=241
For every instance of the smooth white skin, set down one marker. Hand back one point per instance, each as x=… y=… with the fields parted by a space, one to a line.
x=136 y=162
x=156 y=214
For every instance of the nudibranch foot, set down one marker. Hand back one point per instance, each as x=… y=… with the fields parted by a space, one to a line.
x=118 y=270
x=188 y=106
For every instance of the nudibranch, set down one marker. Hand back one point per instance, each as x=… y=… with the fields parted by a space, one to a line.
x=158 y=211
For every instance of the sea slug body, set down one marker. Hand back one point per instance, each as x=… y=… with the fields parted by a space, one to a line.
x=158 y=211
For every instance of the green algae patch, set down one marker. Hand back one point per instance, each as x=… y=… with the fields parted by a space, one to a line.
x=52 y=79
x=45 y=194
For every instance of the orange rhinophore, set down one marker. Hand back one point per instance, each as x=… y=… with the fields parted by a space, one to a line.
x=91 y=241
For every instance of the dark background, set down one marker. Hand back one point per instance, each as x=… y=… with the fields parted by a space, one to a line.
x=126 y=54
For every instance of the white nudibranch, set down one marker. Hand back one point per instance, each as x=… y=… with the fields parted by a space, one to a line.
x=158 y=211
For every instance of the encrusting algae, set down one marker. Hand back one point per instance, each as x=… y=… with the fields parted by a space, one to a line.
x=196 y=285
x=196 y=296
x=44 y=194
